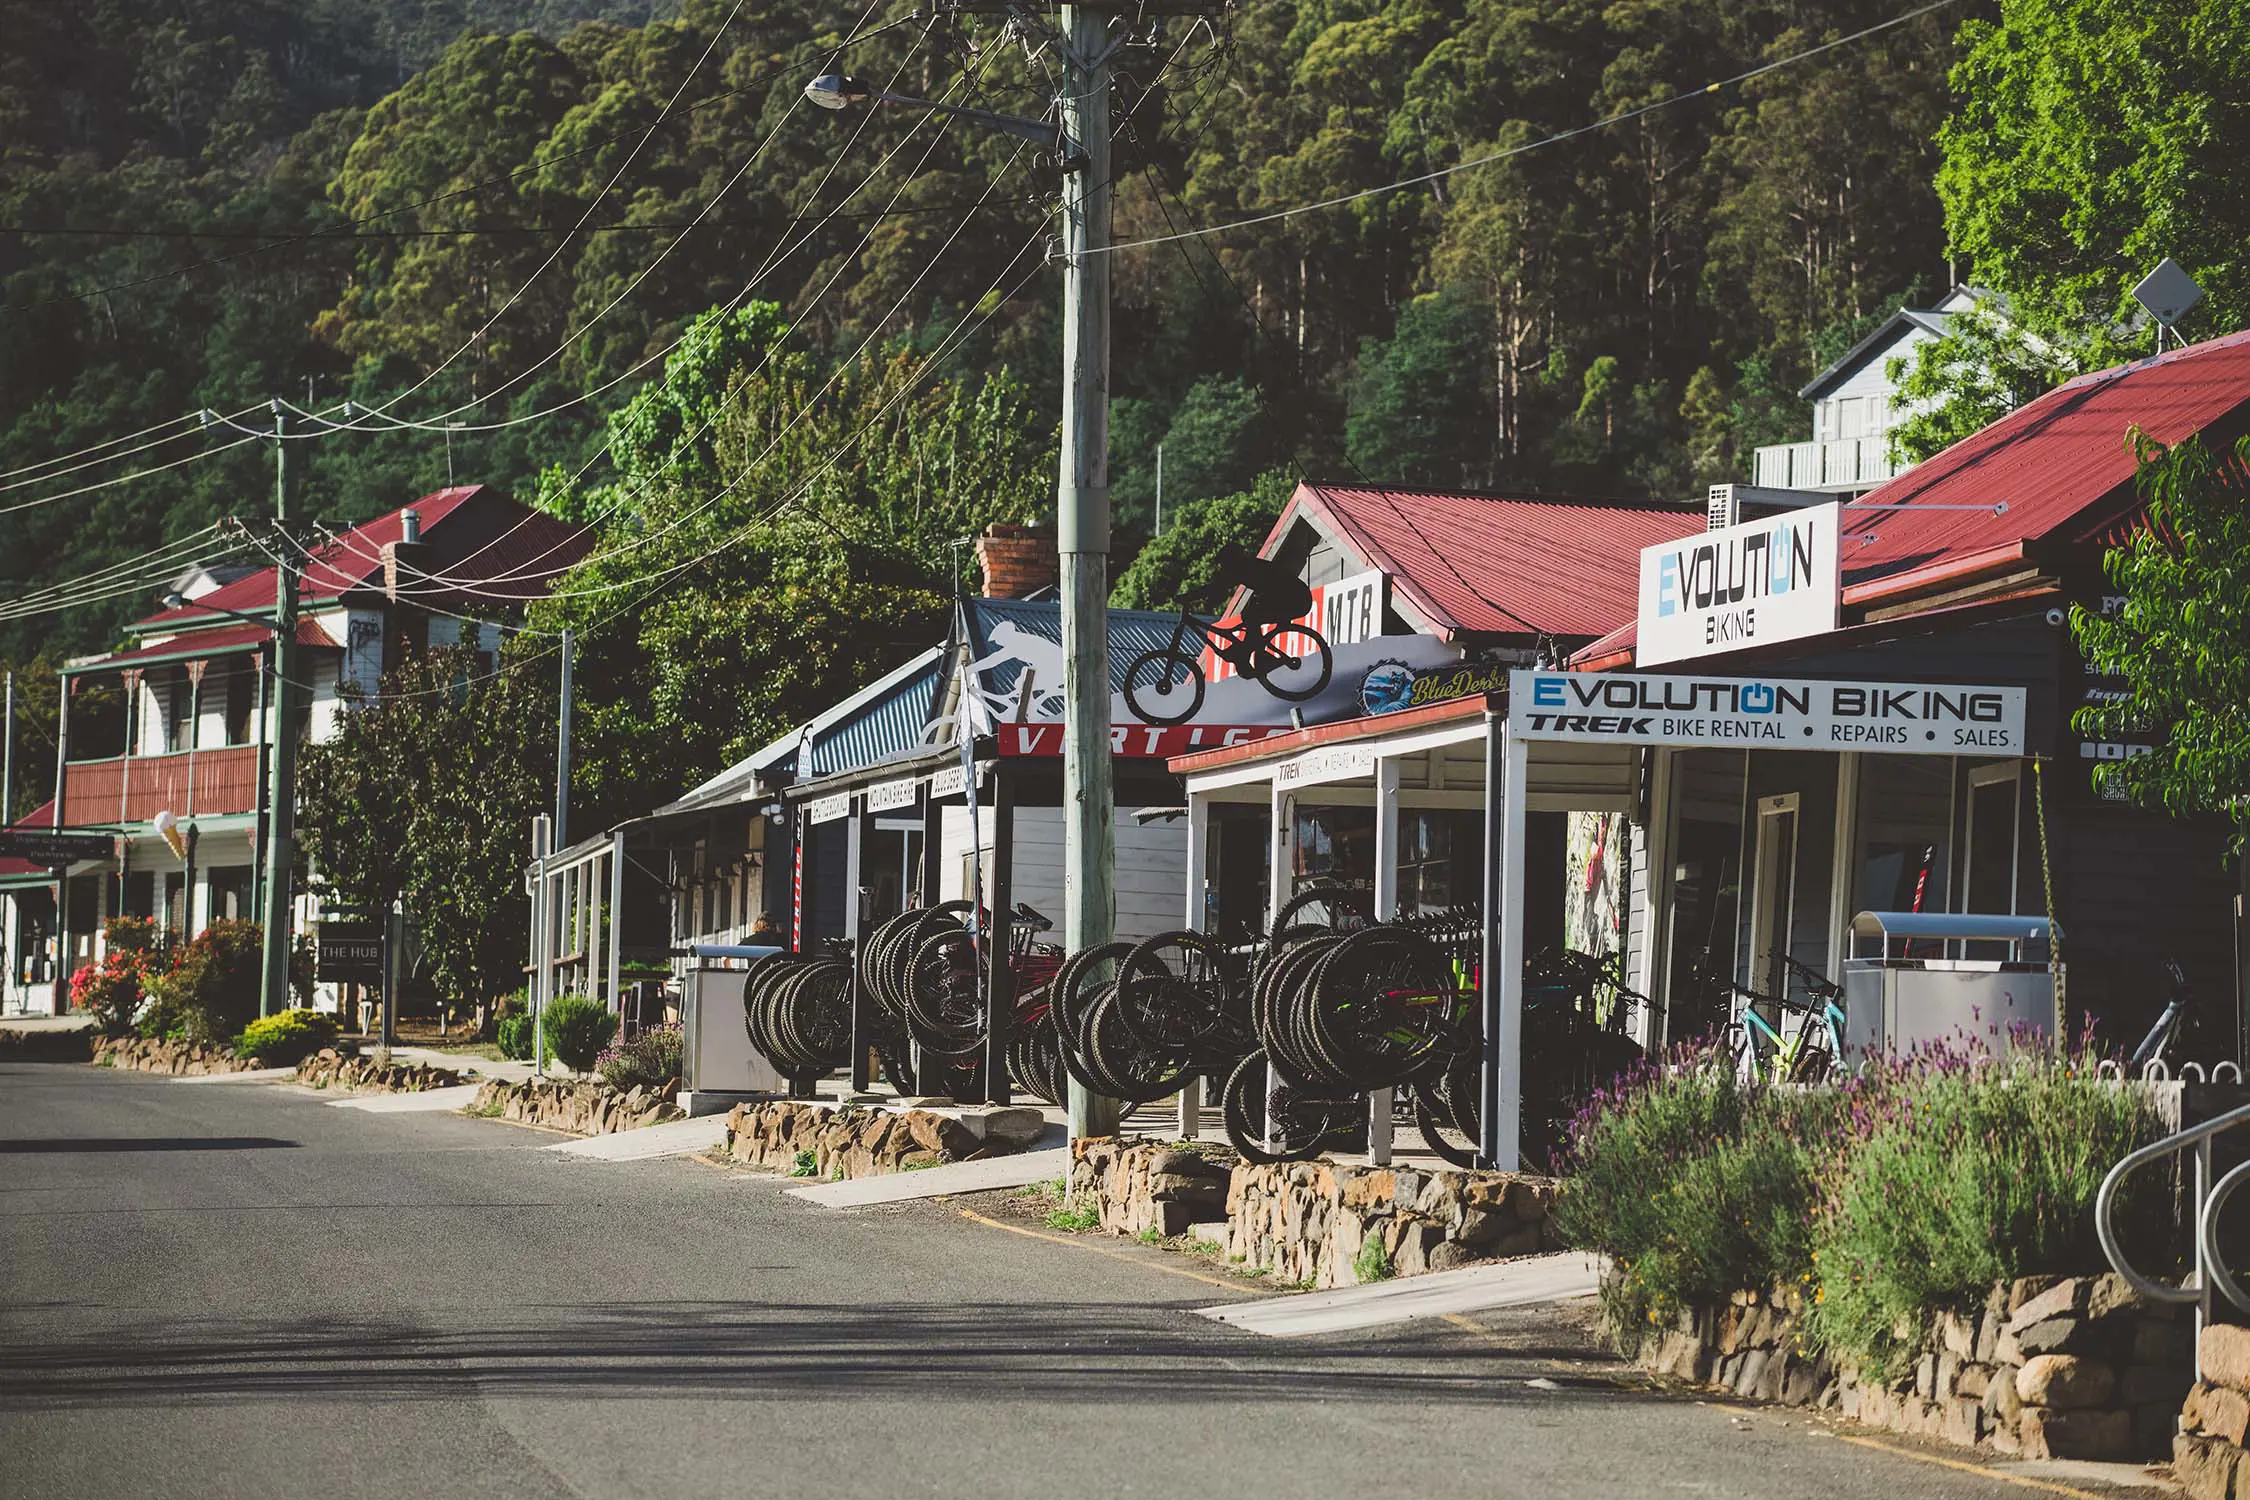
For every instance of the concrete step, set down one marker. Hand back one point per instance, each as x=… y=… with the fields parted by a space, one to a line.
x=1020 y=1170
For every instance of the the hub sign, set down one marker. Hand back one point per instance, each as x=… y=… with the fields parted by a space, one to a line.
x=1749 y=584
x=1767 y=713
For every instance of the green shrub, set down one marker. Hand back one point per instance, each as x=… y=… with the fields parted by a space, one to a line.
x=513 y=1035
x=286 y=1039
x=210 y=990
x=577 y=1028
x=1955 y=1172
x=1694 y=1184
x=647 y=1061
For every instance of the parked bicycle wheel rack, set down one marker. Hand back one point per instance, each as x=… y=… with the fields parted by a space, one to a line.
x=927 y=974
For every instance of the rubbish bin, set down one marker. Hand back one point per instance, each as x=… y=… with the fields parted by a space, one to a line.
x=1910 y=979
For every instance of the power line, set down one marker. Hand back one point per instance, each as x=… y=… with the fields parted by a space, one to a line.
x=1489 y=157
x=653 y=226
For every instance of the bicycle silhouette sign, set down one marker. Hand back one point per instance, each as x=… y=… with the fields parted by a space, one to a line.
x=1290 y=659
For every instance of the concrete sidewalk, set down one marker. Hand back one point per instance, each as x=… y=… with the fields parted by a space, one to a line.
x=410 y=1103
x=1524 y=1282
x=673 y=1138
x=1020 y=1170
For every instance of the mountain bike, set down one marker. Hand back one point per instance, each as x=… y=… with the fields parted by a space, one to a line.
x=1166 y=686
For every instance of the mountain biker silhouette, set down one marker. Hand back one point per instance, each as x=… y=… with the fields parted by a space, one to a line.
x=1276 y=596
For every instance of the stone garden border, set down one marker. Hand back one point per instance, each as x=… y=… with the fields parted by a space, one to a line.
x=826 y=1140
x=330 y=1068
x=136 y=1054
x=579 y=1106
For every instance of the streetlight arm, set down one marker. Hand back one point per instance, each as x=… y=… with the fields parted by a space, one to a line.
x=834 y=91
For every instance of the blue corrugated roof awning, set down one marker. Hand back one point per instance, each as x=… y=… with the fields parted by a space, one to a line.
x=1030 y=630
x=882 y=721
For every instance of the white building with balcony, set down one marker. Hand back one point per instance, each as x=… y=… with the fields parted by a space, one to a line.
x=1855 y=406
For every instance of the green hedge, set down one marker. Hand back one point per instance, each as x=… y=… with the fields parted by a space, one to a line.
x=286 y=1039
x=576 y=1029
x=1912 y=1188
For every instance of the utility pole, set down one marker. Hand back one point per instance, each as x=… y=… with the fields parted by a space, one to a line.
x=281 y=828
x=8 y=759
x=1082 y=519
x=1159 y=489
x=562 y=750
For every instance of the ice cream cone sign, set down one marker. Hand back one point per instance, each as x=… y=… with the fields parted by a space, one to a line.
x=169 y=826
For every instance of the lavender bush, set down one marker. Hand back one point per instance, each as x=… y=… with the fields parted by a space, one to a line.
x=648 y=1060
x=1913 y=1187
x=1957 y=1169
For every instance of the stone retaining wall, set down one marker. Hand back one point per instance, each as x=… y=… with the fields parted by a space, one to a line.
x=48 y=1044
x=2207 y=1452
x=1315 y=1223
x=1310 y=1221
x=181 y=1059
x=582 y=1108
x=2049 y=1367
x=331 y=1069
x=861 y=1141
x=1139 y=1185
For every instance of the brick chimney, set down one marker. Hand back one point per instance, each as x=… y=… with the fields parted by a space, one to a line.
x=408 y=556
x=1017 y=561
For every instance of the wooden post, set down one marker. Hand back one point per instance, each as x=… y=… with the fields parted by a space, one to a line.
x=1386 y=907
x=1000 y=982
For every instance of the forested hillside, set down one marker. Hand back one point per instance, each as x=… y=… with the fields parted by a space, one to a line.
x=490 y=223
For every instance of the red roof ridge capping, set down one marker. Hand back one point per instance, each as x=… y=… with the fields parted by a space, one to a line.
x=1513 y=565
x=528 y=551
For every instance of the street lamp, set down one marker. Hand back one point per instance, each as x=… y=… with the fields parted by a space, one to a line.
x=1080 y=139
x=281 y=793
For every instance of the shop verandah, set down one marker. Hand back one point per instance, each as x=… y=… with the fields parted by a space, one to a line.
x=1700 y=871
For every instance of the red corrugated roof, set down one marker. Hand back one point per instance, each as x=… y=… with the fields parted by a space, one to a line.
x=476 y=536
x=2062 y=466
x=2057 y=470
x=1501 y=564
x=1374 y=726
x=205 y=641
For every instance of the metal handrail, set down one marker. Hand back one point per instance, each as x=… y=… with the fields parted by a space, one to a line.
x=2205 y=1269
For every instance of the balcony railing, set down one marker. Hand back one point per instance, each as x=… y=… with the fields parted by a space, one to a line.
x=223 y=779
x=1844 y=464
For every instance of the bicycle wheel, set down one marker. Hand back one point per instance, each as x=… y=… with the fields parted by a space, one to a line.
x=1298 y=662
x=1164 y=686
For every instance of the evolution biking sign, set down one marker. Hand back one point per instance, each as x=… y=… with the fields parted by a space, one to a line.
x=1768 y=713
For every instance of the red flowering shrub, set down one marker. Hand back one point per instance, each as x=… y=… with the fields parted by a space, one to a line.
x=112 y=990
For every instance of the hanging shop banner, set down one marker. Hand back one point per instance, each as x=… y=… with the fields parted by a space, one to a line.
x=1771 y=713
x=1750 y=584
x=890 y=796
x=949 y=782
x=1139 y=741
x=1326 y=764
x=43 y=846
x=829 y=809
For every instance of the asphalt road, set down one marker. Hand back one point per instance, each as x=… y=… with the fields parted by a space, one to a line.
x=235 y=1290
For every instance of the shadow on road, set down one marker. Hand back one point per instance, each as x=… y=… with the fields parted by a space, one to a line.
x=55 y=1145
x=978 y=1353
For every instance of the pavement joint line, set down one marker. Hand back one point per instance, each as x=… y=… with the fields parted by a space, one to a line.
x=2047 y=1486
x=1138 y=1260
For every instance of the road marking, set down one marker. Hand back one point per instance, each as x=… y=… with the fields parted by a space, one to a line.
x=2048 y=1486
x=1529 y=1281
x=1076 y=1243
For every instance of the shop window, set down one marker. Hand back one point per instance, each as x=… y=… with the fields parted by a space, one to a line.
x=1237 y=869
x=1904 y=840
x=140 y=893
x=1440 y=860
x=1333 y=845
x=230 y=893
x=179 y=703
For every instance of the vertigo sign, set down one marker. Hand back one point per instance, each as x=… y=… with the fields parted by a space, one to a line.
x=1777 y=579
x=1771 y=713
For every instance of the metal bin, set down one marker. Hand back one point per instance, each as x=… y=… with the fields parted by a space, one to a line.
x=1910 y=979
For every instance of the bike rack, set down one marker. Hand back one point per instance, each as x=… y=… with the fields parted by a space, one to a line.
x=2206 y=1269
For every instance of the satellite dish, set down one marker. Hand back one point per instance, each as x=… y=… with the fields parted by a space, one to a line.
x=2168 y=292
